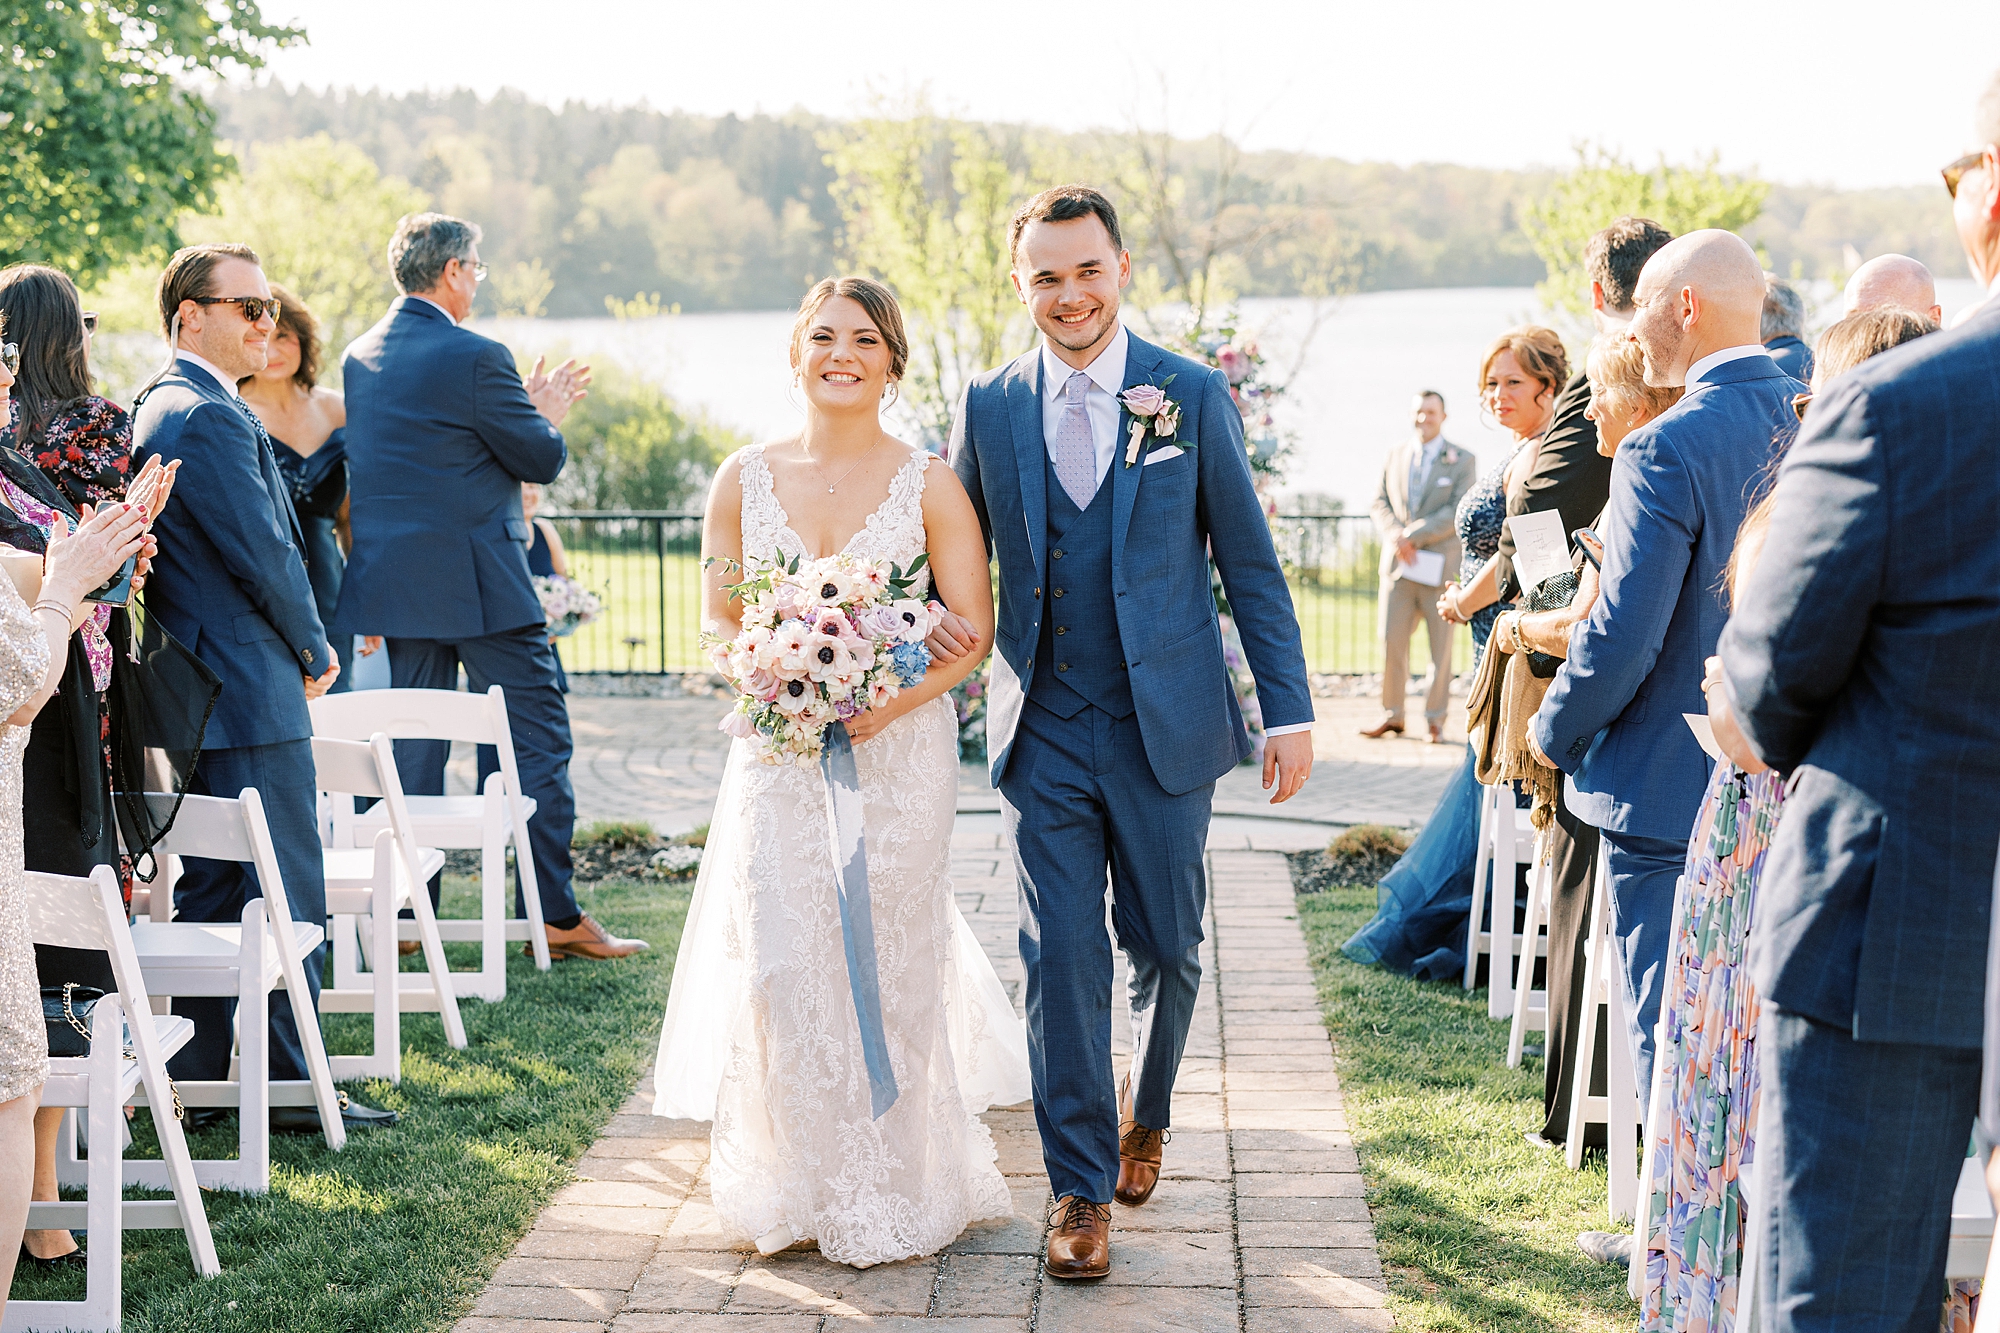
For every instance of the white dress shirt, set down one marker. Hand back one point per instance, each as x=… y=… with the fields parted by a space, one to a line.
x=228 y=384
x=1100 y=401
x=1722 y=358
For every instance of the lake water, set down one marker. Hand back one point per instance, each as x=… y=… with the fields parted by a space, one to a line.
x=1350 y=393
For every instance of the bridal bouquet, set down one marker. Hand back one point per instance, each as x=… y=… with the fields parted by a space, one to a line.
x=822 y=641
x=566 y=604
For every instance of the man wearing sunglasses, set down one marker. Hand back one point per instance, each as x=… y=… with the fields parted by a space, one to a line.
x=230 y=584
x=1859 y=663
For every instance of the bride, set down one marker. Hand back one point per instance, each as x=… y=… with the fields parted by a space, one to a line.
x=761 y=1035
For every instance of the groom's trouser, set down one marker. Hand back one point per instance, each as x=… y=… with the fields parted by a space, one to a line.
x=1080 y=797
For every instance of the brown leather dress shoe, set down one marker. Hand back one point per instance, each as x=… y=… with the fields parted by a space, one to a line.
x=1437 y=733
x=1382 y=728
x=1079 y=1239
x=1139 y=1153
x=587 y=939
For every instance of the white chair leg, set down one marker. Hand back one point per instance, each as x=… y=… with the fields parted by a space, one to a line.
x=1526 y=1012
x=1621 y=1126
x=104 y=1264
x=388 y=1017
x=1596 y=959
x=1506 y=878
x=531 y=894
x=252 y=1168
x=492 y=975
x=440 y=969
x=1481 y=862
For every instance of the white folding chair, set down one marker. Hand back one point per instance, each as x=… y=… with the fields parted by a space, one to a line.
x=265 y=952
x=1506 y=839
x=365 y=888
x=89 y=914
x=490 y=821
x=1531 y=1006
x=1618 y=1110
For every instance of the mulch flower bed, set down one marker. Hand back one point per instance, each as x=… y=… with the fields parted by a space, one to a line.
x=1361 y=855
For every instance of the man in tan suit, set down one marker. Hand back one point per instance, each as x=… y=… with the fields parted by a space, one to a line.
x=1414 y=510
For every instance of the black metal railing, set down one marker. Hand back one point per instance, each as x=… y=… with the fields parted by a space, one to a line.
x=646 y=567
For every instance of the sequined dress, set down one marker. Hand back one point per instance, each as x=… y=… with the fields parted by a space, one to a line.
x=1694 y=1221
x=24 y=1050
x=1481 y=514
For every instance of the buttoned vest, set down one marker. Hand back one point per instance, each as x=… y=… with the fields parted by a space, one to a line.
x=1079 y=659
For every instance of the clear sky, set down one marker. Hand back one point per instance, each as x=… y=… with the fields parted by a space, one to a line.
x=1823 y=91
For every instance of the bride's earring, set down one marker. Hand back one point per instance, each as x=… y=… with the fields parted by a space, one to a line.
x=792 y=393
x=893 y=394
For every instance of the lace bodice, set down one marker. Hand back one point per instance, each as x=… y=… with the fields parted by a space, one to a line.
x=893 y=532
x=24 y=659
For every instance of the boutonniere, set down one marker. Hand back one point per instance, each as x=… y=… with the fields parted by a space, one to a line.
x=1151 y=410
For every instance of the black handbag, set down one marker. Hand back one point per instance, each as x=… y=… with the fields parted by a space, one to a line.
x=66 y=1010
x=1552 y=594
x=162 y=696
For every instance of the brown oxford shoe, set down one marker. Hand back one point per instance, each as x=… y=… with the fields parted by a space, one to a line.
x=1079 y=1239
x=1437 y=733
x=1139 y=1153
x=587 y=939
x=1383 y=728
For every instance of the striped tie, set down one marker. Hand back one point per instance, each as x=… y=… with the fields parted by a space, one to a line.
x=1075 y=451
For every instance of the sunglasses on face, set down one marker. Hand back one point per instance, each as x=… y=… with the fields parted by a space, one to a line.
x=254 y=307
x=1954 y=172
x=478 y=269
x=10 y=357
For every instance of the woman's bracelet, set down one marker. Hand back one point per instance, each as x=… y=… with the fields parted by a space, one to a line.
x=56 y=605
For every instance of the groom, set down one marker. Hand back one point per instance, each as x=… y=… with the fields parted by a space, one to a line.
x=1110 y=712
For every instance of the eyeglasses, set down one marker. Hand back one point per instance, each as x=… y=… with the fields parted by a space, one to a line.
x=1800 y=402
x=254 y=307
x=478 y=269
x=90 y=321
x=1955 y=172
x=10 y=357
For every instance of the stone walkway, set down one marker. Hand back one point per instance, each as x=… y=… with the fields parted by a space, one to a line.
x=1258 y=1225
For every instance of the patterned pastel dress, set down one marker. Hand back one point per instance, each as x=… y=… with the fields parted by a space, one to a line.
x=1694 y=1211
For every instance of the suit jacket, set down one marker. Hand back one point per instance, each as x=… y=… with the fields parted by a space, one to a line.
x=440 y=436
x=1170 y=512
x=1569 y=476
x=1680 y=486
x=1429 y=520
x=229 y=581
x=1861 y=660
x=1793 y=356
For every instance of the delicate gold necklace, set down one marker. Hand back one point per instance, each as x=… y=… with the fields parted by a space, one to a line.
x=850 y=471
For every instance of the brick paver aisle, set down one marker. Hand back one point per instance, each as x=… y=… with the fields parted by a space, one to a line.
x=1258 y=1224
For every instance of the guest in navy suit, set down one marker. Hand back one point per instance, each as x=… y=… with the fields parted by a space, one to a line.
x=1860 y=663
x=1680 y=487
x=441 y=432
x=230 y=584
x=1783 y=327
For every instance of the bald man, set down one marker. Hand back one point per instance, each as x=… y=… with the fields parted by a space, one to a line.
x=1892 y=280
x=1680 y=486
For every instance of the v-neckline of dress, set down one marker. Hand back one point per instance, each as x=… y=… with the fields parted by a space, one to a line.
x=785 y=518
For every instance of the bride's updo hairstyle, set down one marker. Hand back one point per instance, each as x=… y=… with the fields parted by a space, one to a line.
x=871 y=296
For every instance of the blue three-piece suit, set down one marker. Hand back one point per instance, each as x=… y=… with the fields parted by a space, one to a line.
x=1110 y=717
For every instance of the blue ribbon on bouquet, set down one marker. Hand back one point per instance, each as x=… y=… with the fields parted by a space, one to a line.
x=844 y=811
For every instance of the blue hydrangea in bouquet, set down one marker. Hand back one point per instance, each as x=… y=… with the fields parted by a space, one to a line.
x=822 y=641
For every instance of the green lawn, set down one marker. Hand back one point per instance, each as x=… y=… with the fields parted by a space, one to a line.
x=1477 y=1229
x=399 y=1233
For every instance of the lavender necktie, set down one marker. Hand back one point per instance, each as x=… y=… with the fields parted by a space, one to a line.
x=1075 y=452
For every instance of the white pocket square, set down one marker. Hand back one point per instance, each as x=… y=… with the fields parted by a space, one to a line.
x=1163 y=454
x=1444 y=481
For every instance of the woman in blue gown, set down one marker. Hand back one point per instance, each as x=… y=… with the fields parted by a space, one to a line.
x=1421 y=905
x=307 y=425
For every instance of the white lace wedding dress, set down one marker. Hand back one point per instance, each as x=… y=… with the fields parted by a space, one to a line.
x=761 y=1035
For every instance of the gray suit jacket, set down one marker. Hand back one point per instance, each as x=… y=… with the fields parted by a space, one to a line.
x=1861 y=660
x=1188 y=500
x=1429 y=520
